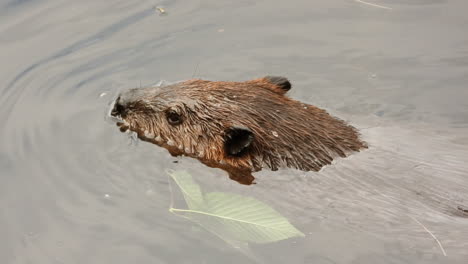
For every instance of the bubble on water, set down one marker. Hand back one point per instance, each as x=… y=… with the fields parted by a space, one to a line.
x=107 y=196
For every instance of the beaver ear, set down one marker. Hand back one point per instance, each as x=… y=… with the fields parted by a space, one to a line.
x=237 y=140
x=281 y=82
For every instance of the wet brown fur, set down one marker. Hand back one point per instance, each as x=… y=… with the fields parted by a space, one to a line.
x=286 y=132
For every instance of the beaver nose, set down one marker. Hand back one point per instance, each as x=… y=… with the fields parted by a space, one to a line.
x=119 y=108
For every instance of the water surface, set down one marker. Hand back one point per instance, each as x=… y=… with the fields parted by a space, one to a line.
x=76 y=190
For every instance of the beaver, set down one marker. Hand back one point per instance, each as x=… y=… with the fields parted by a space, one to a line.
x=240 y=127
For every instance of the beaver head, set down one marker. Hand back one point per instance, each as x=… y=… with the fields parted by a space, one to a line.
x=240 y=127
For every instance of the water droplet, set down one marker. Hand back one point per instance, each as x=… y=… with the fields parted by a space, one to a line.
x=274 y=133
x=148 y=134
x=158 y=84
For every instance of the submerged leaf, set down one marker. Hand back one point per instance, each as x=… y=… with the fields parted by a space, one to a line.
x=233 y=217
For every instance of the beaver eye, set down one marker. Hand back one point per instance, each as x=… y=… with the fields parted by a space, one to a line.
x=173 y=118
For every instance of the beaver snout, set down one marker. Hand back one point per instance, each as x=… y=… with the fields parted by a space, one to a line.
x=119 y=108
x=124 y=101
x=132 y=100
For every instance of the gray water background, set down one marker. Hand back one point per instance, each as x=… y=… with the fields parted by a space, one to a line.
x=75 y=190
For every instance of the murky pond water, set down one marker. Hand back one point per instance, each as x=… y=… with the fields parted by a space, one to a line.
x=76 y=190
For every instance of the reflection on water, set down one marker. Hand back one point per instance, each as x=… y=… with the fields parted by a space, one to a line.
x=74 y=190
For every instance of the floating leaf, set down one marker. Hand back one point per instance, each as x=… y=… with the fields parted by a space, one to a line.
x=191 y=191
x=233 y=217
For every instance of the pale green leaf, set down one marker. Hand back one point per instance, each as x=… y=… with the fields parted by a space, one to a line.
x=233 y=217
x=191 y=191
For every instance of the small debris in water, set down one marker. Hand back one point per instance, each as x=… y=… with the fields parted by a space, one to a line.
x=161 y=10
x=463 y=209
x=374 y=5
x=432 y=235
